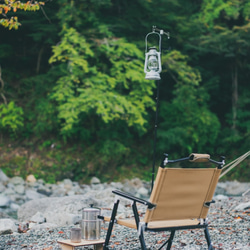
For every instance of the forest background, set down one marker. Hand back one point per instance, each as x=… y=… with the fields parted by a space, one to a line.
x=74 y=102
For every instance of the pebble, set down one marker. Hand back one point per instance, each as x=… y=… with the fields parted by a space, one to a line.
x=228 y=217
x=226 y=233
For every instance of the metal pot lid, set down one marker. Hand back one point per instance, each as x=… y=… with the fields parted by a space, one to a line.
x=91 y=209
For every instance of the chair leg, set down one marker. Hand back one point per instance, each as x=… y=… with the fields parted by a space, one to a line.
x=111 y=224
x=207 y=235
x=137 y=221
x=170 y=240
x=142 y=240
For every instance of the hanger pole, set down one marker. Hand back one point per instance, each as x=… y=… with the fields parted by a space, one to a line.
x=155 y=134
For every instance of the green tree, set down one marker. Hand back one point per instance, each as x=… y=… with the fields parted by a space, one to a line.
x=187 y=125
x=225 y=34
x=116 y=92
x=11 y=117
x=101 y=95
x=10 y=6
x=92 y=98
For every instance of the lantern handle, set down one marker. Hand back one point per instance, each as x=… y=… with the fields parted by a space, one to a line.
x=161 y=32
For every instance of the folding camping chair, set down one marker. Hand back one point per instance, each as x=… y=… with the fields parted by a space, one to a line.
x=180 y=200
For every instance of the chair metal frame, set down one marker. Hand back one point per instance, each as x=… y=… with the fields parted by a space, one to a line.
x=143 y=227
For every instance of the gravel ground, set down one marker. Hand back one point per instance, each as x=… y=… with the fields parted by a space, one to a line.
x=228 y=229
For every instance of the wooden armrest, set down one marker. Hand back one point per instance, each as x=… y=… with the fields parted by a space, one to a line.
x=133 y=198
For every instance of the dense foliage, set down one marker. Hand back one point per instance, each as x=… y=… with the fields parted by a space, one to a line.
x=10 y=7
x=74 y=101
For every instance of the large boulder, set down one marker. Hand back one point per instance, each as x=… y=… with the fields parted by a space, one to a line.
x=63 y=218
x=66 y=210
x=59 y=205
x=30 y=208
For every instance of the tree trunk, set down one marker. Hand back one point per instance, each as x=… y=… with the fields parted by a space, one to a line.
x=234 y=96
x=39 y=58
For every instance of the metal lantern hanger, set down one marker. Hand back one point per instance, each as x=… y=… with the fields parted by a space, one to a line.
x=152 y=66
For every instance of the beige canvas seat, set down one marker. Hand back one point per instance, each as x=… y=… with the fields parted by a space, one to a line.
x=180 y=199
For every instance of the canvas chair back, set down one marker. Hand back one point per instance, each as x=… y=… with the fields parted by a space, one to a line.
x=181 y=193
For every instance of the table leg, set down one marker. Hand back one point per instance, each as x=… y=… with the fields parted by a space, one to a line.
x=98 y=247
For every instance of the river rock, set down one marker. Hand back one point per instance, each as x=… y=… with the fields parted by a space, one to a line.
x=31 y=178
x=38 y=218
x=232 y=188
x=9 y=191
x=221 y=197
x=19 y=189
x=37 y=227
x=4 y=201
x=242 y=206
x=94 y=181
x=7 y=226
x=68 y=184
x=3 y=177
x=17 y=180
x=142 y=192
x=14 y=206
x=63 y=202
x=59 y=192
x=131 y=186
x=31 y=194
x=2 y=187
x=3 y=215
